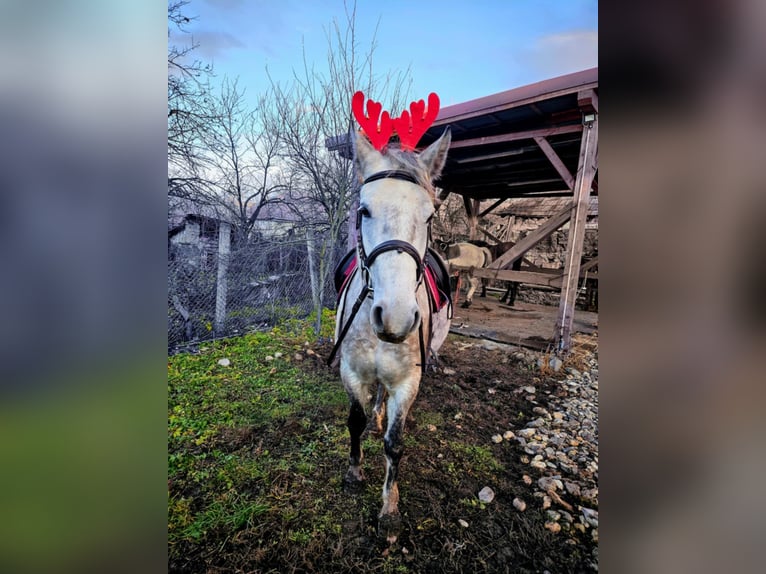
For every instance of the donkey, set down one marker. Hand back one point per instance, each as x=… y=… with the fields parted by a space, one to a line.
x=385 y=328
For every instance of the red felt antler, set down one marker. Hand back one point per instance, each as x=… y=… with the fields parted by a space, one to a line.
x=378 y=134
x=413 y=124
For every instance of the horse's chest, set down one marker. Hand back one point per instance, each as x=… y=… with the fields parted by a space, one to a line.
x=384 y=362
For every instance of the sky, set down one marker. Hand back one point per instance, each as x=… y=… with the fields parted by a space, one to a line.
x=461 y=50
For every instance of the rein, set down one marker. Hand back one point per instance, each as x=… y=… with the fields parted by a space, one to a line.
x=366 y=261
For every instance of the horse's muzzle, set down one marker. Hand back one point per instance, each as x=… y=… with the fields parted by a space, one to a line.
x=393 y=327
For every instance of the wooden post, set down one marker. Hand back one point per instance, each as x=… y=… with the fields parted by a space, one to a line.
x=471 y=211
x=586 y=170
x=224 y=247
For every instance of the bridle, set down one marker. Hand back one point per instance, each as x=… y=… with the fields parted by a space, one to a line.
x=366 y=260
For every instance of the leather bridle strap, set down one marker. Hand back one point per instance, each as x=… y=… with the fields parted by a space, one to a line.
x=391 y=174
x=400 y=247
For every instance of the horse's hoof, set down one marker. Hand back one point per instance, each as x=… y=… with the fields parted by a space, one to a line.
x=465 y=305
x=353 y=483
x=390 y=526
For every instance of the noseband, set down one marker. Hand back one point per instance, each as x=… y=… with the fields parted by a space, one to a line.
x=365 y=260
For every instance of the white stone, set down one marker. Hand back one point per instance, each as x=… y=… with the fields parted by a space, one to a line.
x=224 y=362
x=462 y=523
x=508 y=435
x=486 y=494
x=496 y=438
x=519 y=504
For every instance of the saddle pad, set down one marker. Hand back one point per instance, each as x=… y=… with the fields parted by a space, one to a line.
x=436 y=277
x=344 y=270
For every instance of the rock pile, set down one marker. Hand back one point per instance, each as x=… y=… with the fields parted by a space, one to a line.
x=560 y=446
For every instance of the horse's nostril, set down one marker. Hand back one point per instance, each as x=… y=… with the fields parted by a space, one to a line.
x=417 y=317
x=377 y=315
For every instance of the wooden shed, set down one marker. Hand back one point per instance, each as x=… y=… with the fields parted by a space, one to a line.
x=532 y=149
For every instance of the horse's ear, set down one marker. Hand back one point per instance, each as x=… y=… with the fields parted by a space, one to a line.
x=364 y=152
x=435 y=155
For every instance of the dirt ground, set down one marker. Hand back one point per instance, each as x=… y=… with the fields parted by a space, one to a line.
x=525 y=323
x=438 y=488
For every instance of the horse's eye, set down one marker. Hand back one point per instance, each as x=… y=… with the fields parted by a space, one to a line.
x=364 y=212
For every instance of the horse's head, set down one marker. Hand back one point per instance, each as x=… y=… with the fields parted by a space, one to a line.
x=396 y=204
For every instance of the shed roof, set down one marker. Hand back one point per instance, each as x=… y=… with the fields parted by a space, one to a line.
x=493 y=153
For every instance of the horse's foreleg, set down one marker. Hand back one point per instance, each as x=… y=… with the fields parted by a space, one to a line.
x=399 y=403
x=357 y=421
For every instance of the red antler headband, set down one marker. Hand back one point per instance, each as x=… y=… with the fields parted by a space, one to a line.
x=410 y=125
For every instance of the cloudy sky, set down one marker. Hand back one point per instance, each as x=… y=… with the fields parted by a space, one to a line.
x=459 y=49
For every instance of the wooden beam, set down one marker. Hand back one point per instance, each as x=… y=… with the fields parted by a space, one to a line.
x=586 y=169
x=498 y=203
x=589 y=264
x=496 y=240
x=489 y=234
x=531 y=134
x=587 y=101
x=553 y=278
x=551 y=225
x=554 y=158
x=471 y=207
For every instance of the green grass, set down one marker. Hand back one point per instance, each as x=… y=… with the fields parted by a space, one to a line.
x=244 y=441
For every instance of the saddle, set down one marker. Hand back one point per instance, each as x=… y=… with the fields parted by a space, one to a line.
x=436 y=277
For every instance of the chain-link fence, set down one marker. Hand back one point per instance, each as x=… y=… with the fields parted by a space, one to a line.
x=255 y=286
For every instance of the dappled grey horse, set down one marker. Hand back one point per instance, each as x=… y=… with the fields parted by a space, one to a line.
x=386 y=324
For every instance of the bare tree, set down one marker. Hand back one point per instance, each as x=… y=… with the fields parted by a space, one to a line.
x=240 y=161
x=188 y=109
x=314 y=109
